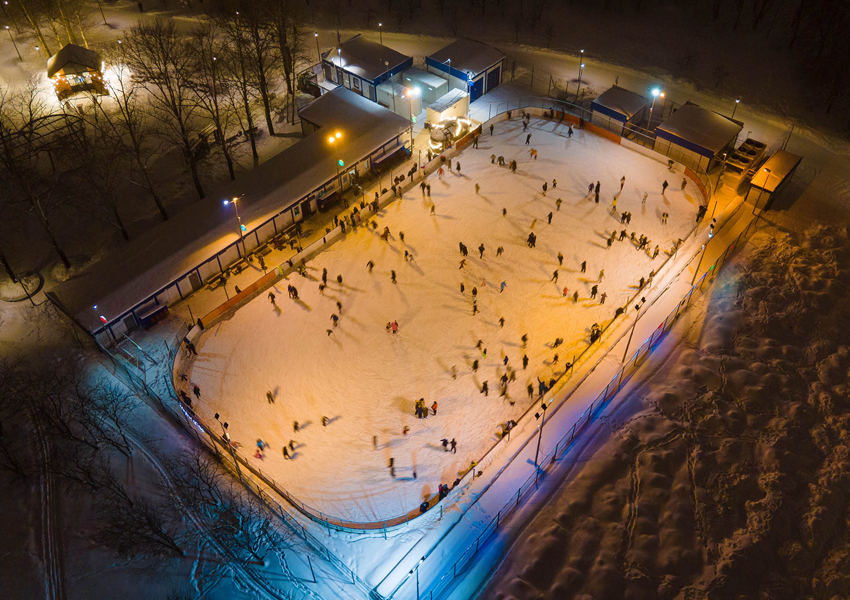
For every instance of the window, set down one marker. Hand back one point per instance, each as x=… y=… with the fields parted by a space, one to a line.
x=355 y=83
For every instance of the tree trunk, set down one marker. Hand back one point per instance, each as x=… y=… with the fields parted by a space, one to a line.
x=7 y=267
x=795 y=23
x=66 y=23
x=53 y=241
x=44 y=47
x=118 y=220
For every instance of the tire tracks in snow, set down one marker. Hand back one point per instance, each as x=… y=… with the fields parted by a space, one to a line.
x=51 y=550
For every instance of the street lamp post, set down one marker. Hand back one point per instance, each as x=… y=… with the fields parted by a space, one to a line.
x=637 y=316
x=655 y=94
x=580 y=69
x=318 y=52
x=381 y=32
x=9 y=31
x=416 y=568
x=542 y=416
x=734 y=108
x=233 y=201
x=332 y=140
x=226 y=437
x=14 y=20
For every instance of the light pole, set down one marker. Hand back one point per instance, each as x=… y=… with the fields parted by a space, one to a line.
x=333 y=141
x=14 y=20
x=543 y=407
x=761 y=189
x=318 y=52
x=416 y=568
x=9 y=31
x=101 y=12
x=226 y=437
x=737 y=102
x=381 y=32
x=580 y=69
x=233 y=201
x=704 y=247
x=637 y=316
x=655 y=94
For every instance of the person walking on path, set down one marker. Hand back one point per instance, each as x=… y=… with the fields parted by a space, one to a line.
x=528 y=139
x=524 y=126
x=655 y=251
x=481 y=250
x=583 y=266
x=405 y=430
x=445 y=444
x=500 y=250
x=270 y=397
x=622 y=182
x=664 y=187
x=370 y=265
x=602 y=298
x=475 y=142
x=569 y=131
x=485 y=389
x=502 y=324
x=524 y=361
x=462 y=288
x=462 y=263
x=554 y=183
x=394 y=327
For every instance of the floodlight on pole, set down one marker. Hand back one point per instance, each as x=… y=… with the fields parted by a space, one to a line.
x=234 y=202
x=656 y=93
x=734 y=108
x=543 y=407
x=332 y=140
x=9 y=31
x=381 y=32
x=318 y=52
x=14 y=20
x=580 y=69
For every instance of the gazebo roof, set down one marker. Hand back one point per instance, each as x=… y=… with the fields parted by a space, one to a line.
x=73 y=59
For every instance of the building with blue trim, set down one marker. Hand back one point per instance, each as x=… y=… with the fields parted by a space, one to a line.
x=361 y=66
x=616 y=107
x=471 y=66
x=698 y=134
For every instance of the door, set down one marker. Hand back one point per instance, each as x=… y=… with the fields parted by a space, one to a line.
x=494 y=78
x=339 y=76
x=195 y=281
x=476 y=89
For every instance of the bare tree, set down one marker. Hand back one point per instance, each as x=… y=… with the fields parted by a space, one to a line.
x=260 y=53
x=160 y=60
x=239 y=73
x=286 y=24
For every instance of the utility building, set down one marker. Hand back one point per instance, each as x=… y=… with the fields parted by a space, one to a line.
x=617 y=107
x=696 y=135
x=470 y=66
x=74 y=70
x=361 y=66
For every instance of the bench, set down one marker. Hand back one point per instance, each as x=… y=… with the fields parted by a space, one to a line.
x=237 y=267
x=152 y=315
x=216 y=281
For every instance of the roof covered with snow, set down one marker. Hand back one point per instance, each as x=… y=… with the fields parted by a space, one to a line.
x=696 y=126
x=134 y=271
x=73 y=59
x=780 y=166
x=345 y=109
x=621 y=101
x=414 y=75
x=364 y=58
x=468 y=56
x=447 y=100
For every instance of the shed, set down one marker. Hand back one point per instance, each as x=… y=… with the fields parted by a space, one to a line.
x=402 y=100
x=470 y=66
x=430 y=86
x=772 y=177
x=453 y=104
x=617 y=106
x=696 y=135
x=75 y=69
x=360 y=65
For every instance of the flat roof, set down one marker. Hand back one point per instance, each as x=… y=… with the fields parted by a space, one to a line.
x=132 y=272
x=781 y=164
x=447 y=100
x=425 y=77
x=622 y=101
x=468 y=56
x=364 y=58
x=700 y=127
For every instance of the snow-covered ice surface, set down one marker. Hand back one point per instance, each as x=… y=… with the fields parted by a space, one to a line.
x=724 y=475
x=366 y=380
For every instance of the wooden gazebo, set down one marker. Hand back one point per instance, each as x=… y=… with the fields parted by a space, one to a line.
x=75 y=69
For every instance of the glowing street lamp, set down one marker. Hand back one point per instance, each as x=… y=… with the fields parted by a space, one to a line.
x=637 y=316
x=580 y=69
x=540 y=415
x=318 y=52
x=334 y=141
x=381 y=32
x=655 y=95
x=6 y=13
x=761 y=189
x=737 y=102
x=9 y=31
x=242 y=229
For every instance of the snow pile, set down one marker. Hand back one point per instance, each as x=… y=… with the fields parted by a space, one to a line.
x=731 y=475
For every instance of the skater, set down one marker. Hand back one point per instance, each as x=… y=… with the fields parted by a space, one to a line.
x=444 y=441
x=664 y=187
x=528 y=139
x=555 y=276
x=394 y=327
x=565 y=292
x=286 y=453
x=643 y=200
x=593 y=291
x=477 y=187
x=270 y=397
x=575 y=297
x=462 y=263
x=583 y=266
x=370 y=265
x=392 y=276
x=502 y=286
x=664 y=218
x=462 y=288
x=475 y=365
x=684 y=183
x=405 y=430
x=560 y=259
x=491 y=129
x=524 y=339
x=271 y=298
x=502 y=324
x=453 y=444
x=569 y=131
x=602 y=298
x=485 y=389
x=458 y=168
x=524 y=361
x=558 y=204
x=325 y=421
x=550 y=218
x=655 y=251
x=554 y=183
x=481 y=250
x=530 y=389
x=499 y=251
x=545 y=187
x=601 y=274
x=197 y=391
x=434 y=408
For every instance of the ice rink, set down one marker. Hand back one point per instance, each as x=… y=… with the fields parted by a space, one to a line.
x=366 y=380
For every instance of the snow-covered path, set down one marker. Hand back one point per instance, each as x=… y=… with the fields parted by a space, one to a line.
x=367 y=380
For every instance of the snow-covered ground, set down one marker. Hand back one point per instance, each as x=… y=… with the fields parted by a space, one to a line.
x=367 y=380
x=723 y=475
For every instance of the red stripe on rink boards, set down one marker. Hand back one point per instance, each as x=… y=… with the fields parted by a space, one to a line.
x=243 y=295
